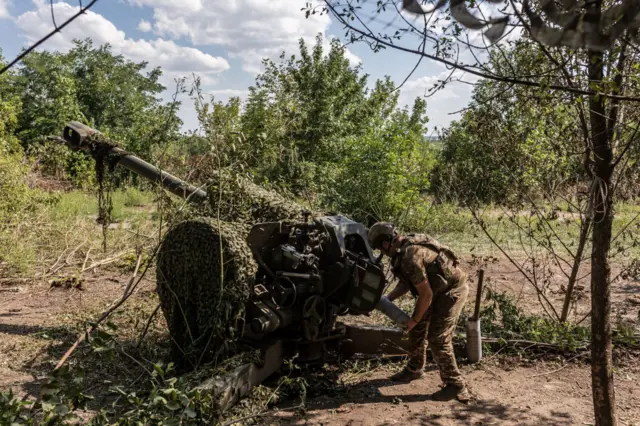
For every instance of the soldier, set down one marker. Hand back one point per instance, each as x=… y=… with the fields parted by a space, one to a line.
x=441 y=291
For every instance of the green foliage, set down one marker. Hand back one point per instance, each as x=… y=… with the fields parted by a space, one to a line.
x=92 y=85
x=60 y=162
x=119 y=98
x=501 y=318
x=171 y=400
x=434 y=219
x=49 y=97
x=301 y=109
x=133 y=197
x=62 y=395
x=17 y=199
x=383 y=173
x=102 y=339
x=14 y=193
x=167 y=403
x=13 y=411
x=512 y=142
x=10 y=106
x=311 y=126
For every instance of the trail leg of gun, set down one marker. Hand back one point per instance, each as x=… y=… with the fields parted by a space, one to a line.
x=230 y=388
x=372 y=339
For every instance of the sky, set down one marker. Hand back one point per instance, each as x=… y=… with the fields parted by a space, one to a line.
x=221 y=41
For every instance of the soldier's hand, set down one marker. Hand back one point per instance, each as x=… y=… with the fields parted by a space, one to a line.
x=410 y=325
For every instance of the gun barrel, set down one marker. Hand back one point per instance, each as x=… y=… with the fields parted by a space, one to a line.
x=76 y=135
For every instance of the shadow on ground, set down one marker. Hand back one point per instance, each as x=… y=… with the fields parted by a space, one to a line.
x=38 y=331
x=430 y=412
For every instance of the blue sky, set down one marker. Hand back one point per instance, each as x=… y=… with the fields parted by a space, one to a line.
x=222 y=41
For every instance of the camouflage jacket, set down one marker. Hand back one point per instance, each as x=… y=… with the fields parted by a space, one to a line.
x=420 y=258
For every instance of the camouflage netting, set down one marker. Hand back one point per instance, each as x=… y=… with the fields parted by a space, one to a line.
x=105 y=162
x=190 y=276
x=237 y=199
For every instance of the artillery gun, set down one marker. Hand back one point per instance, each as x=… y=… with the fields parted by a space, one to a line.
x=305 y=274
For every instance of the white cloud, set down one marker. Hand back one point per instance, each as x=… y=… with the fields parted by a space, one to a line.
x=441 y=104
x=224 y=94
x=190 y=5
x=248 y=29
x=144 y=26
x=4 y=12
x=175 y=60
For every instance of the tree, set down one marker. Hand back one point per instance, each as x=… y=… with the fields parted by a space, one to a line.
x=49 y=97
x=512 y=143
x=15 y=195
x=301 y=110
x=312 y=126
x=385 y=171
x=10 y=105
x=92 y=85
x=118 y=97
x=317 y=129
x=515 y=146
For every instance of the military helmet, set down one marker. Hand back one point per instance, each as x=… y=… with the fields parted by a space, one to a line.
x=381 y=231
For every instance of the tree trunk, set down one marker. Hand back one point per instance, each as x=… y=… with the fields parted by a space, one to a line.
x=602 y=208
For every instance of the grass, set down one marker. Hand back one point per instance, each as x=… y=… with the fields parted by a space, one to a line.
x=39 y=236
x=126 y=204
x=66 y=227
x=458 y=229
x=133 y=197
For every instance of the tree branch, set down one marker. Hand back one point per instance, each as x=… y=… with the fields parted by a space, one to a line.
x=48 y=36
x=470 y=70
x=127 y=292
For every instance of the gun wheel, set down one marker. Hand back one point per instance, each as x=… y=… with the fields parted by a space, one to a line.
x=313 y=314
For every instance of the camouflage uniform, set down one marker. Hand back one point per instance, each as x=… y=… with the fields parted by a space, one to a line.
x=414 y=264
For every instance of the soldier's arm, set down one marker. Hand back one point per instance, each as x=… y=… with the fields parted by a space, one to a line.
x=399 y=290
x=425 y=297
x=416 y=272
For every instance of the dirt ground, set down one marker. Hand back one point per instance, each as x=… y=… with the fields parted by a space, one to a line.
x=507 y=394
x=510 y=390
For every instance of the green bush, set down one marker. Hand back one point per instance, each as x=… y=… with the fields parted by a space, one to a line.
x=18 y=203
x=435 y=219
x=14 y=193
x=133 y=197
x=60 y=162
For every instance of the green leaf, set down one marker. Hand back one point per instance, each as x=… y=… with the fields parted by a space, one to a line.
x=184 y=400
x=158 y=370
x=50 y=390
x=47 y=406
x=173 y=405
x=62 y=409
x=158 y=400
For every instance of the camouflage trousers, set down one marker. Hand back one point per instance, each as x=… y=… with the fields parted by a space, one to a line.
x=436 y=328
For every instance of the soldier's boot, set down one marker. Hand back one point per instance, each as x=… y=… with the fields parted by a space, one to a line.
x=451 y=391
x=406 y=375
